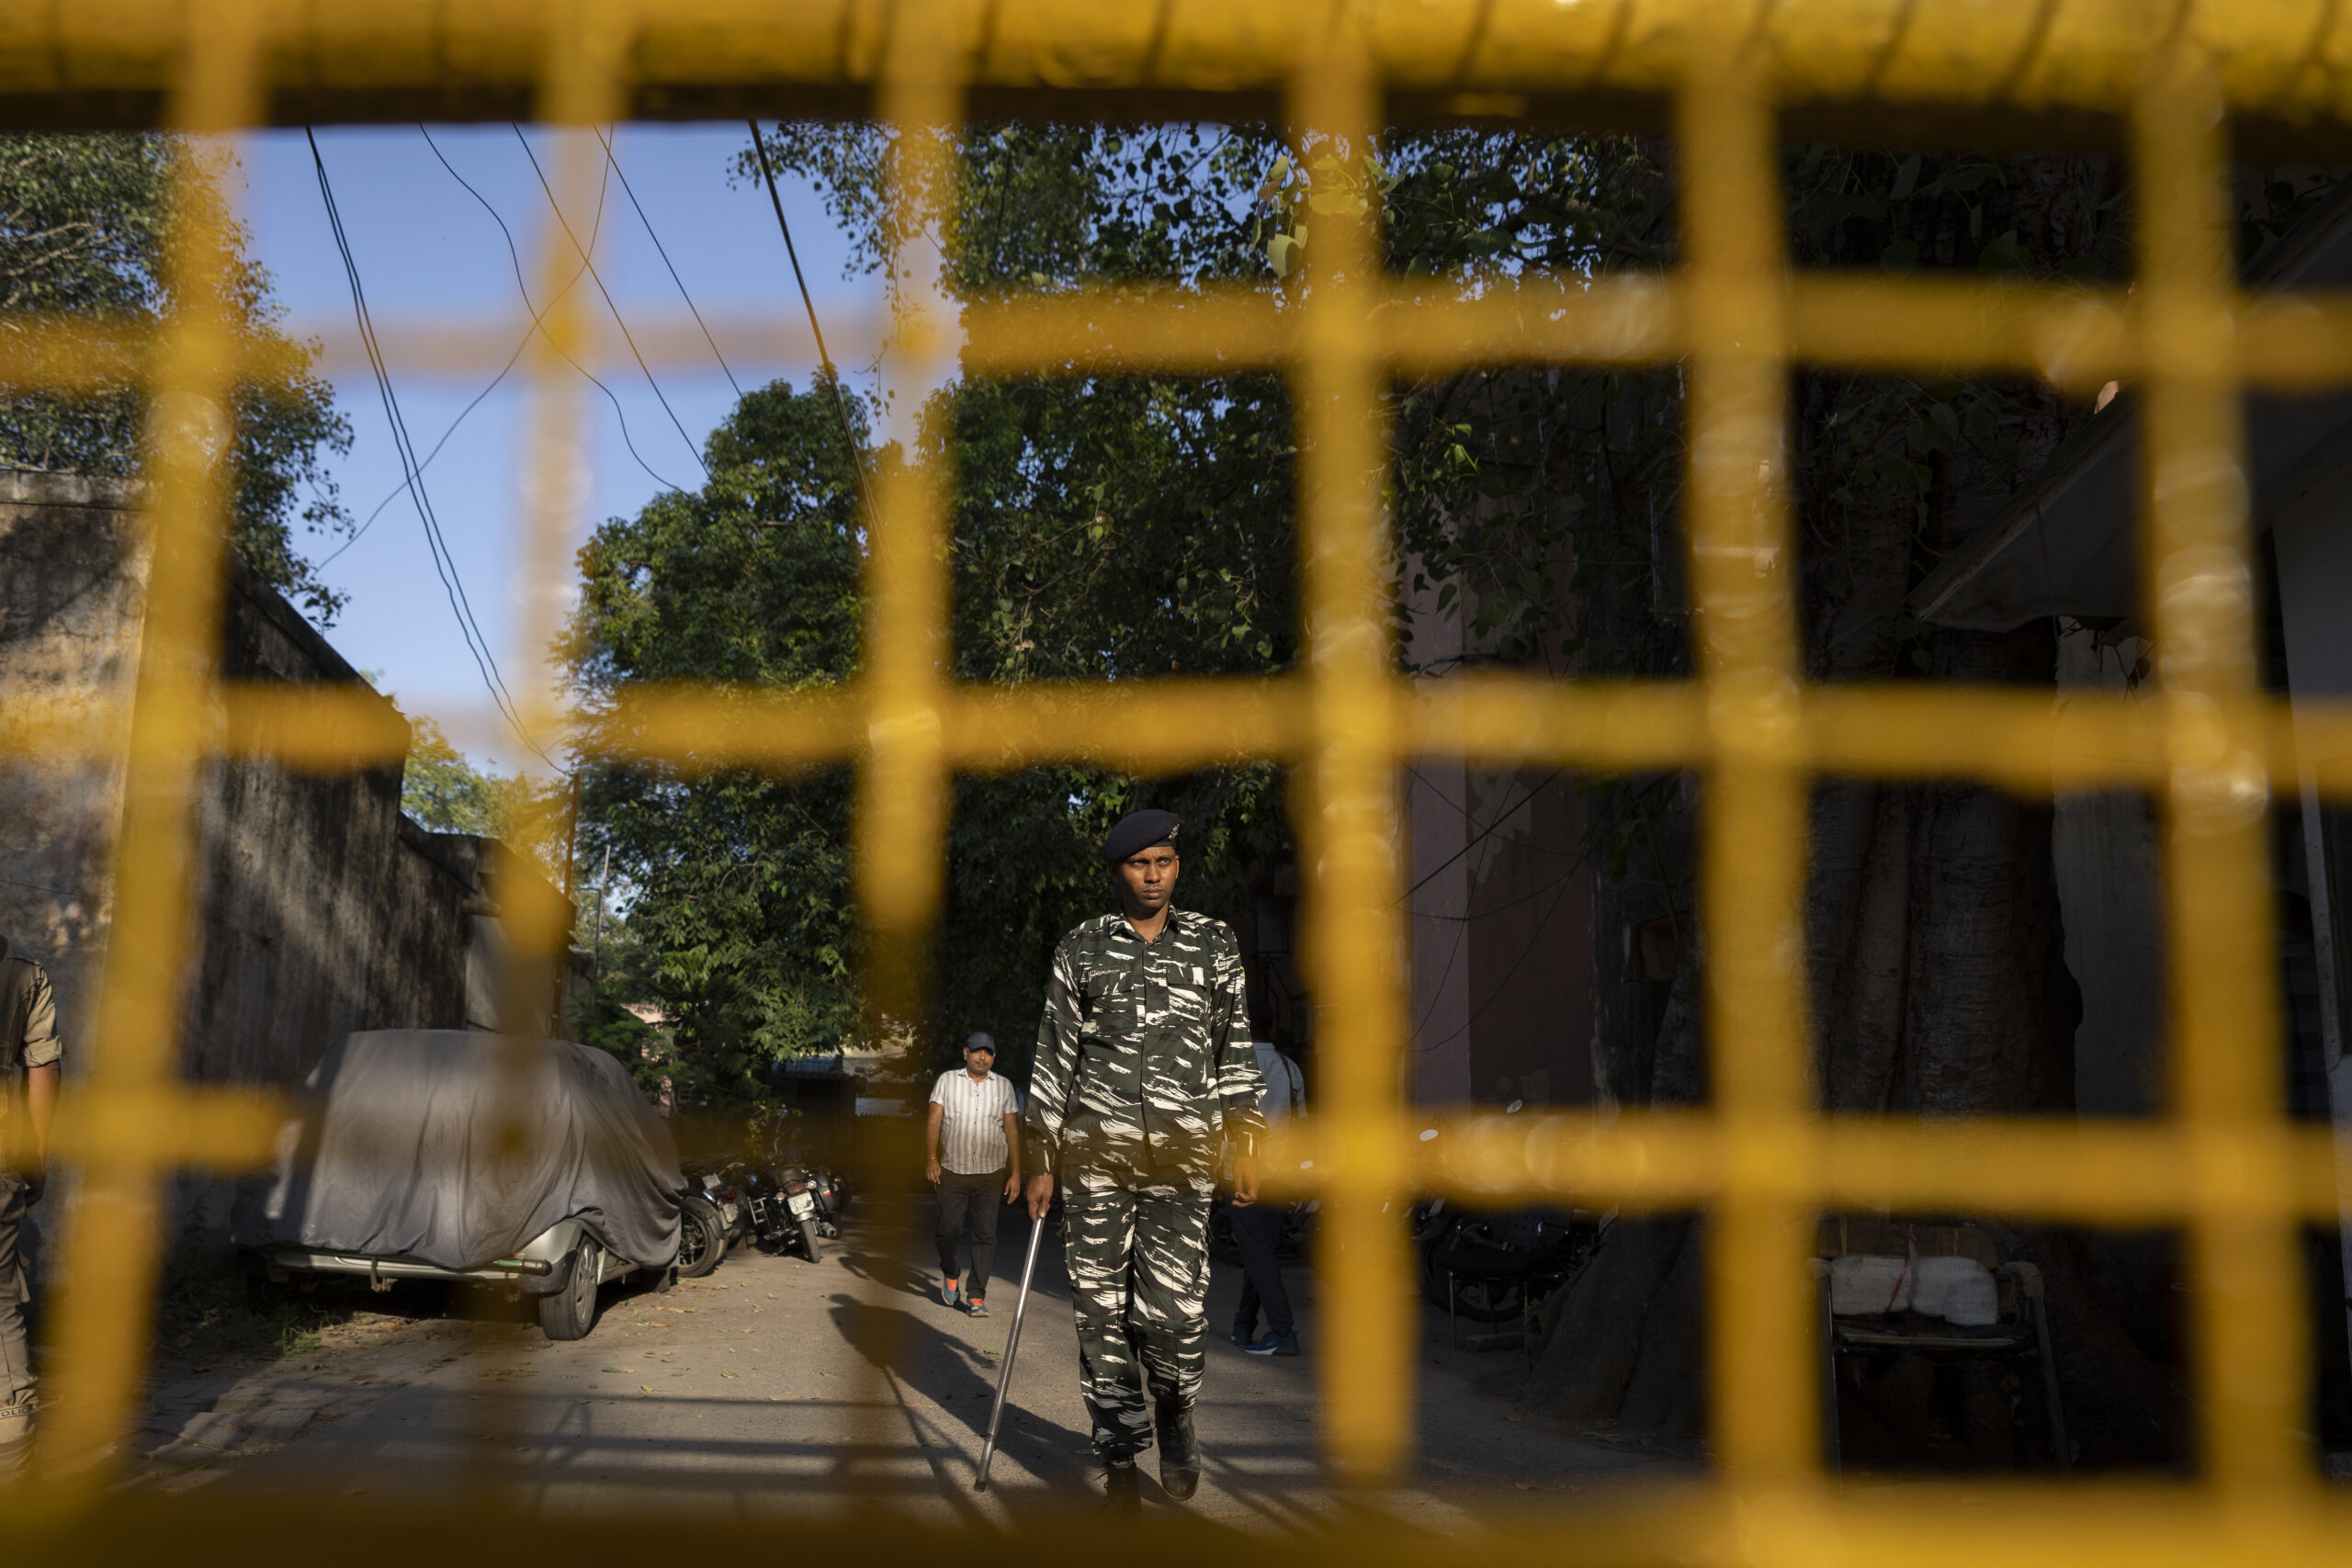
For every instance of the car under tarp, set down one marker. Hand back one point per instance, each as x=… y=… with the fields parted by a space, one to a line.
x=400 y=1149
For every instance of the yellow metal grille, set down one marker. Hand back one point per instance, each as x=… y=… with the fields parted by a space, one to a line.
x=2223 y=1165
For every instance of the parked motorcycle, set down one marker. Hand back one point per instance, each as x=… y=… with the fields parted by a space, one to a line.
x=784 y=1212
x=831 y=1191
x=721 y=1187
x=1491 y=1261
x=1491 y=1265
x=702 y=1236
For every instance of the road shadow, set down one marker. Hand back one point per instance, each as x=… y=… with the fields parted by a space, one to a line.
x=914 y=1354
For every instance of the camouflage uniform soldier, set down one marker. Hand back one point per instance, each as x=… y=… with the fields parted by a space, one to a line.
x=28 y=1042
x=1143 y=1071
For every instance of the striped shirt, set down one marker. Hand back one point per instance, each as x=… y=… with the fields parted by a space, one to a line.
x=971 y=1122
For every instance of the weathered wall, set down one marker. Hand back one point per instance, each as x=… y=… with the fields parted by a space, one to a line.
x=70 y=584
x=1499 y=918
x=321 y=908
x=1529 y=953
x=318 y=918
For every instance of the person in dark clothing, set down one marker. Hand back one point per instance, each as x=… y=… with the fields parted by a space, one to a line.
x=1258 y=1227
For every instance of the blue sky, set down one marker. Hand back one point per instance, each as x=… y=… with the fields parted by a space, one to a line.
x=422 y=245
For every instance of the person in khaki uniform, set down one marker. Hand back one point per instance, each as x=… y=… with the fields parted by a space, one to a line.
x=30 y=1051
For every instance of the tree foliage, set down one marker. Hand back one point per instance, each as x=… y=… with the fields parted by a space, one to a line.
x=1102 y=529
x=85 y=224
x=443 y=789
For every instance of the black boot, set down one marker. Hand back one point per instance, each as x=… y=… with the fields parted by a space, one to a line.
x=1121 y=1487
x=1180 y=1450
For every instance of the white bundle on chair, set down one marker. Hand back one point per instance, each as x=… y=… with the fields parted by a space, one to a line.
x=1865 y=1282
x=1961 y=1291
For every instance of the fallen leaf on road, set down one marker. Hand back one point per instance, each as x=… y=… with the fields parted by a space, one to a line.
x=645 y=1388
x=614 y=1369
x=727 y=1375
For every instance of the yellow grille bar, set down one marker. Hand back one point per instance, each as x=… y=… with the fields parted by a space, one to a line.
x=2286 y=58
x=2225 y=1165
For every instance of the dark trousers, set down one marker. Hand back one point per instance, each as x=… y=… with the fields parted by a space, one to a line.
x=973 y=1202
x=1257 y=1232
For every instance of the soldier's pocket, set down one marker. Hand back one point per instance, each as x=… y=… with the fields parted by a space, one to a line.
x=1111 y=1004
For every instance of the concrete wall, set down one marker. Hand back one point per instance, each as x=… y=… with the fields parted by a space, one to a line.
x=1499 y=918
x=321 y=908
x=71 y=594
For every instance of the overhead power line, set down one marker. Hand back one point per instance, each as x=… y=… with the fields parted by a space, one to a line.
x=841 y=405
x=589 y=262
x=594 y=229
x=515 y=257
x=445 y=564
x=610 y=157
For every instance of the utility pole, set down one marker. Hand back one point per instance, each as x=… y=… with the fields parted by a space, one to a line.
x=562 y=953
x=604 y=880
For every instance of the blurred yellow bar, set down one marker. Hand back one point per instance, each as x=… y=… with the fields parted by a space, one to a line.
x=2077 y=339
x=2116 y=1173
x=2280 y=58
x=223 y=1130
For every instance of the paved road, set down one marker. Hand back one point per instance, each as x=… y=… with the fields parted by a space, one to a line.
x=779 y=1385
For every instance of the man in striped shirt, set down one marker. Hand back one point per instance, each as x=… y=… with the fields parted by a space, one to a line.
x=973 y=1145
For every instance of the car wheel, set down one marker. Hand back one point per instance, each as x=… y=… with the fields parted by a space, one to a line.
x=809 y=1239
x=571 y=1312
x=702 y=1239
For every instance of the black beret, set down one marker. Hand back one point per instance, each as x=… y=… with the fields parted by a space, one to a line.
x=1137 y=831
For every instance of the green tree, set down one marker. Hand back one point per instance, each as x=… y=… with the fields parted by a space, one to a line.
x=1102 y=529
x=85 y=222
x=1542 y=507
x=444 y=791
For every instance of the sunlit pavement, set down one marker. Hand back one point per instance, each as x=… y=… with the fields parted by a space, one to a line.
x=775 y=1385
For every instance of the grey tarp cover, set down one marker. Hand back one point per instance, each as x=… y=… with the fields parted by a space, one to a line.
x=394 y=1154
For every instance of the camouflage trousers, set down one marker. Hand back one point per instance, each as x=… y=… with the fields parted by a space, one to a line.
x=1136 y=1246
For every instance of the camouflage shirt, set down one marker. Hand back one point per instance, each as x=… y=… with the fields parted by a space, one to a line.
x=1144 y=1058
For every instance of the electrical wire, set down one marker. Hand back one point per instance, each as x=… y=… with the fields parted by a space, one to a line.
x=610 y=157
x=515 y=256
x=833 y=376
x=523 y=343
x=589 y=262
x=445 y=565
x=1465 y=813
x=1481 y=837
x=1534 y=939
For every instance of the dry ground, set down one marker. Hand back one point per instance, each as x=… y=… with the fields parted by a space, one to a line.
x=775 y=1386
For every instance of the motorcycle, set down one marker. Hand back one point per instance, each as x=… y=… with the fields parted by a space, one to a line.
x=702 y=1234
x=1481 y=1264
x=831 y=1192
x=1492 y=1266
x=720 y=1187
x=784 y=1212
